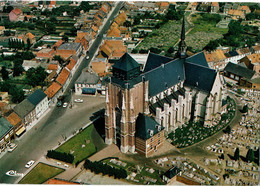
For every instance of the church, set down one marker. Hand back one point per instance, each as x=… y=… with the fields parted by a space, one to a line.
x=145 y=104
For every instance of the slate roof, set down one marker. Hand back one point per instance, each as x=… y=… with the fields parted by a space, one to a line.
x=233 y=53
x=36 y=97
x=69 y=46
x=199 y=76
x=239 y=70
x=126 y=63
x=143 y=126
x=24 y=108
x=172 y=172
x=5 y=127
x=155 y=60
x=87 y=78
x=165 y=76
x=198 y=59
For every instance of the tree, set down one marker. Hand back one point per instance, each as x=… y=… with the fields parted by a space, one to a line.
x=250 y=155
x=5 y=86
x=18 y=68
x=212 y=45
x=17 y=95
x=65 y=38
x=84 y=5
x=170 y=50
x=236 y=155
x=227 y=130
x=28 y=44
x=59 y=59
x=4 y=73
x=127 y=23
x=36 y=76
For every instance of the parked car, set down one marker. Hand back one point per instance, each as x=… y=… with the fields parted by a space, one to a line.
x=65 y=104
x=87 y=57
x=65 y=165
x=12 y=146
x=29 y=164
x=78 y=100
x=59 y=103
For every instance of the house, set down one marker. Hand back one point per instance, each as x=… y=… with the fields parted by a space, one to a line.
x=149 y=135
x=45 y=53
x=245 y=9
x=110 y=47
x=85 y=81
x=100 y=66
x=82 y=40
x=239 y=73
x=27 y=64
x=194 y=6
x=26 y=111
x=236 y=14
x=256 y=49
x=170 y=176
x=114 y=32
x=31 y=37
x=53 y=92
x=66 y=50
x=121 y=18
x=214 y=7
x=6 y=133
x=53 y=66
x=4 y=97
x=216 y=59
x=40 y=101
x=71 y=66
x=227 y=7
x=4 y=107
x=16 y=15
x=2 y=28
x=63 y=78
x=18 y=125
x=252 y=61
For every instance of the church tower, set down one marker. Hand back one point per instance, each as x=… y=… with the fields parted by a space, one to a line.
x=126 y=97
x=181 y=53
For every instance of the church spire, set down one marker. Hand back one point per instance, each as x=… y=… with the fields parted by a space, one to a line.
x=181 y=53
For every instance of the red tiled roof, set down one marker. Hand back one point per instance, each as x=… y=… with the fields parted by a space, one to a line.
x=52 y=90
x=17 y=11
x=60 y=182
x=63 y=76
x=14 y=119
x=52 y=67
x=71 y=64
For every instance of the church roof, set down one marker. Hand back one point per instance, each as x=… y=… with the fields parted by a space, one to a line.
x=145 y=124
x=165 y=76
x=155 y=60
x=126 y=63
x=199 y=76
x=198 y=59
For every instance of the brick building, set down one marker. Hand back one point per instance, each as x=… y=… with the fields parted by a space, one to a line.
x=172 y=91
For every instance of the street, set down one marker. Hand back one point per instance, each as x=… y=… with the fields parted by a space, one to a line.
x=59 y=122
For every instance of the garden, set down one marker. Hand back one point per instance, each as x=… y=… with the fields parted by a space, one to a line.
x=40 y=174
x=80 y=146
x=195 y=132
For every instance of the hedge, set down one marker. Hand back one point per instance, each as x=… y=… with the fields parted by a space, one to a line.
x=62 y=156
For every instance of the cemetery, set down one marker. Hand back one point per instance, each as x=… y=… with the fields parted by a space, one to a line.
x=194 y=132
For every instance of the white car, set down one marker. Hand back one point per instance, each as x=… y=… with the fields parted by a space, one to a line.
x=78 y=100
x=65 y=165
x=29 y=164
x=65 y=104
x=12 y=146
x=87 y=57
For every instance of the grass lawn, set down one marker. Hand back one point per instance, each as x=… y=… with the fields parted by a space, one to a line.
x=41 y=173
x=75 y=144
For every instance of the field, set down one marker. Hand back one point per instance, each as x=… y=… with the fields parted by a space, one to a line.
x=40 y=174
x=81 y=145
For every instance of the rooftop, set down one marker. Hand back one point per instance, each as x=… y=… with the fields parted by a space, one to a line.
x=14 y=119
x=36 y=97
x=63 y=76
x=87 y=78
x=52 y=90
x=239 y=70
x=69 y=46
x=5 y=127
x=24 y=108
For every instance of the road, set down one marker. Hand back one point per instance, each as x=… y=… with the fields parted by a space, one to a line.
x=57 y=123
